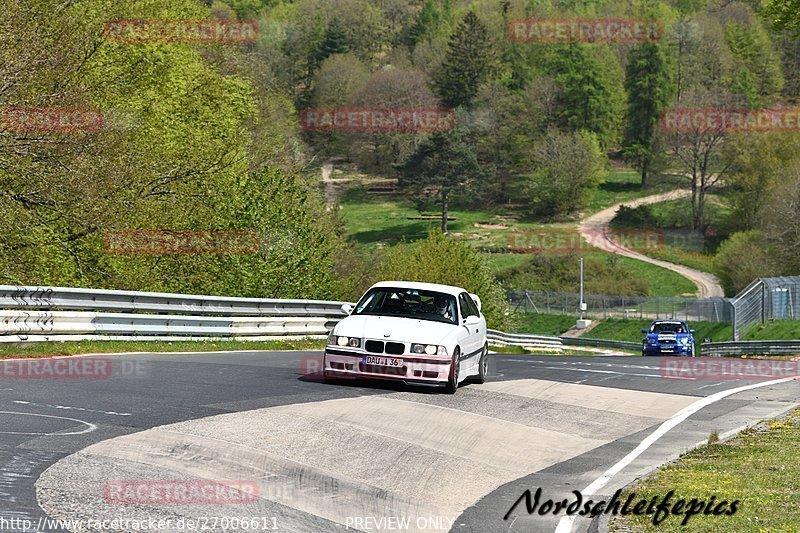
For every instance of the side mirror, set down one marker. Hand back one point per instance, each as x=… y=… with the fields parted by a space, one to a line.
x=472 y=320
x=347 y=308
x=691 y=331
x=644 y=331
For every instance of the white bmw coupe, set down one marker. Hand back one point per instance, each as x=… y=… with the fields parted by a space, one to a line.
x=412 y=332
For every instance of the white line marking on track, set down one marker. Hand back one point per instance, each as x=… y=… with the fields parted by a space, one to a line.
x=603 y=371
x=67 y=408
x=89 y=426
x=567 y=521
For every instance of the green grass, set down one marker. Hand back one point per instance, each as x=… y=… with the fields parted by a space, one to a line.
x=759 y=467
x=662 y=282
x=692 y=259
x=677 y=248
x=383 y=220
x=48 y=349
x=777 y=330
x=631 y=330
x=621 y=186
x=544 y=324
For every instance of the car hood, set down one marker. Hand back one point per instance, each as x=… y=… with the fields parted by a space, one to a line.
x=668 y=336
x=394 y=328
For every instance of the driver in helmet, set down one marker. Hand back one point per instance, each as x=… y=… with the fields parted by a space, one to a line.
x=442 y=307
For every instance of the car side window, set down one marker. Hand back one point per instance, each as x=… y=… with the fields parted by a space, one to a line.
x=473 y=307
x=466 y=309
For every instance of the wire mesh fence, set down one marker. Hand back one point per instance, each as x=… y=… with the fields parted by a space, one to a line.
x=763 y=300
x=628 y=307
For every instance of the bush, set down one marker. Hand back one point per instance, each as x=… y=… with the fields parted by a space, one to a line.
x=570 y=168
x=634 y=217
x=439 y=259
x=741 y=259
x=603 y=275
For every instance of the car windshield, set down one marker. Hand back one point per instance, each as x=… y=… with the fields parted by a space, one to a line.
x=667 y=327
x=408 y=303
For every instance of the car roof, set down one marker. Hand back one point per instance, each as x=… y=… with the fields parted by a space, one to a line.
x=435 y=287
x=668 y=322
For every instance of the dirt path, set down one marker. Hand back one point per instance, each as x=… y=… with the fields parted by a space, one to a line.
x=595 y=229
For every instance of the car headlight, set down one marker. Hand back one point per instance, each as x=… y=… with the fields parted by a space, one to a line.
x=429 y=349
x=652 y=341
x=341 y=340
x=684 y=341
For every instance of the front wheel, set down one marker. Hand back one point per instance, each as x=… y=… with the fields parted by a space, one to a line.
x=691 y=352
x=483 y=365
x=452 y=381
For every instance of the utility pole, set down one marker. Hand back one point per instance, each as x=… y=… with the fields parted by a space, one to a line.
x=582 y=323
x=581 y=305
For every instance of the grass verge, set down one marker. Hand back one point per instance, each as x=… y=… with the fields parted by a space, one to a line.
x=544 y=324
x=777 y=330
x=50 y=349
x=759 y=467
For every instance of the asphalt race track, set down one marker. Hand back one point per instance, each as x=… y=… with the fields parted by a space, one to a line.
x=355 y=455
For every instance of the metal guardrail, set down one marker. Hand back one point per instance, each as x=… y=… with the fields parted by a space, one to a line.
x=723 y=349
x=603 y=343
x=69 y=299
x=29 y=314
x=543 y=342
x=18 y=326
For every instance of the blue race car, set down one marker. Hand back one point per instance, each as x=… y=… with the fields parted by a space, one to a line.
x=668 y=337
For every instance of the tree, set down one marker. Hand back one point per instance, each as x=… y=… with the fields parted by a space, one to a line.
x=440 y=259
x=699 y=153
x=781 y=223
x=499 y=123
x=441 y=163
x=469 y=62
x=647 y=82
x=389 y=88
x=334 y=42
x=758 y=164
x=586 y=100
x=432 y=16
x=570 y=166
x=784 y=15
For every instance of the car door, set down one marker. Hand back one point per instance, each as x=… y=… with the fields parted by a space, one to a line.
x=473 y=339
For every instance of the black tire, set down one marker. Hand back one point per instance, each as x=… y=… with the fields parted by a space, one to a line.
x=452 y=381
x=483 y=365
x=691 y=354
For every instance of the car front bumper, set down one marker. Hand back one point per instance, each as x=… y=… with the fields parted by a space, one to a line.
x=667 y=349
x=430 y=370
